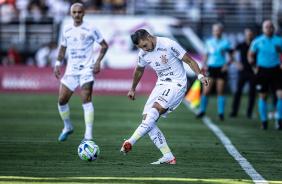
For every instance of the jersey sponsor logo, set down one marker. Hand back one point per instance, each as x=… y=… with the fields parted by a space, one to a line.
x=164 y=60
x=162 y=99
x=161 y=49
x=80 y=67
x=177 y=53
x=79 y=57
x=157 y=64
x=77 y=49
x=161 y=74
x=68 y=30
x=163 y=70
x=167 y=80
x=85 y=29
x=82 y=36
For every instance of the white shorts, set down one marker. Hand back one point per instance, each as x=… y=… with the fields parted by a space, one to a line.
x=168 y=96
x=73 y=81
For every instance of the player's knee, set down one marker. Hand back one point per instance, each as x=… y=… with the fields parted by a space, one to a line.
x=86 y=99
x=62 y=101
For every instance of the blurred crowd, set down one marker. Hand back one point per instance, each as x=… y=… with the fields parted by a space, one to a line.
x=45 y=56
x=37 y=10
x=13 y=10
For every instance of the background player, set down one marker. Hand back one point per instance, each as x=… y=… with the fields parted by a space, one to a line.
x=246 y=74
x=269 y=73
x=164 y=56
x=79 y=36
x=214 y=61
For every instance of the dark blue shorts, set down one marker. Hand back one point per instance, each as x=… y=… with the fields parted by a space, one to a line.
x=215 y=72
x=268 y=77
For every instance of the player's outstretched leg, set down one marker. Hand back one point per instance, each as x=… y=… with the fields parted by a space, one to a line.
x=89 y=119
x=142 y=130
x=159 y=140
x=126 y=147
x=65 y=115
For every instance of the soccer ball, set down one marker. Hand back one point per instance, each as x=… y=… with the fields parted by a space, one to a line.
x=88 y=151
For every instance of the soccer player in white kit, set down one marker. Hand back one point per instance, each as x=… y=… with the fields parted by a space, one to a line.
x=79 y=36
x=165 y=56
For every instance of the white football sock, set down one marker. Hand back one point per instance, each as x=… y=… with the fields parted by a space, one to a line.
x=158 y=138
x=65 y=115
x=145 y=126
x=89 y=119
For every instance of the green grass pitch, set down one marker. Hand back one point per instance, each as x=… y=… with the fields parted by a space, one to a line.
x=30 y=152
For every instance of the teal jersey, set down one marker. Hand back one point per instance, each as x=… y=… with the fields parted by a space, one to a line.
x=216 y=50
x=267 y=55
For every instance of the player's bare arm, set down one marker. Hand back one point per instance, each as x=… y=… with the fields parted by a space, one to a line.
x=251 y=56
x=103 y=51
x=60 y=57
x=138 y=72
x=205 y=61
x=195 y=67
x=251 y=60
x=231 y=59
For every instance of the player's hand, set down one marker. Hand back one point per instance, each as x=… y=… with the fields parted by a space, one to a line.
x=57 y=71
x=205 y=81
x=96 y=68
x=131 y=95
x=224 y=68
x=239 y=66
x=255 y=69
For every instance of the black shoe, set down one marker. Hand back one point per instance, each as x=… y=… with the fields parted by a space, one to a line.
x=278 y=125
x=232 y=115
x=200 y=115
x=221 y=117
x=264 y=125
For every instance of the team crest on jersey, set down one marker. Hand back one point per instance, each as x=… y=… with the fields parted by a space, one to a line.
x=164 y=60
x=82 y=36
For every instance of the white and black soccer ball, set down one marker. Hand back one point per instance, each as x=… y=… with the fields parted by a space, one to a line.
x=88 y=151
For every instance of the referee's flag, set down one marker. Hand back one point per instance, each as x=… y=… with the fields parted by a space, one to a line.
x=194 y=94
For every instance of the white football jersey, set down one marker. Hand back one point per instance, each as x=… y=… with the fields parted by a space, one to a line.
x=166 y=60
x=80 y=41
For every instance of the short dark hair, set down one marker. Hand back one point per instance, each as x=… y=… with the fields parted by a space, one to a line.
x=140 y=34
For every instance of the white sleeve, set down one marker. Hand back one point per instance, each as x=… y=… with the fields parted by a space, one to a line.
x=175 y=49
x=64 y=40
x=141 y=61
x=97 y=35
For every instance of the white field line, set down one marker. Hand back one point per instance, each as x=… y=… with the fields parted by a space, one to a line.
x=248 y=168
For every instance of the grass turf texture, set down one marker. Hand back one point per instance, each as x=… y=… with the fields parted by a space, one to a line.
x=30 y=152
